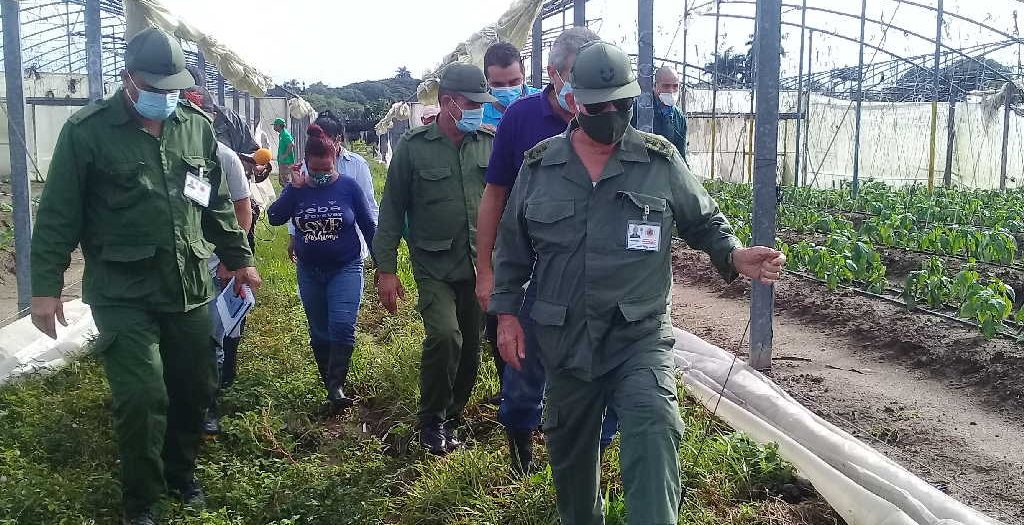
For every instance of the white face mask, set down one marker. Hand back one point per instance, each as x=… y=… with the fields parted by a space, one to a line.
x=669 y=99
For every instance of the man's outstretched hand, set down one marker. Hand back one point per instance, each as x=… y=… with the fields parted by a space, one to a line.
x=759 y=262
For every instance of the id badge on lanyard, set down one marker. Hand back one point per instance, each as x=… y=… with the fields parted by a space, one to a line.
x=643 y=235
x=197 y=189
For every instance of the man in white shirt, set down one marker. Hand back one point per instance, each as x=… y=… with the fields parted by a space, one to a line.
x=226 y=345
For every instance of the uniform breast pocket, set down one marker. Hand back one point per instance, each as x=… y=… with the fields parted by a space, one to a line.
x=641 y=213
x=551 y=225
x=124 y=184
x=434 y=186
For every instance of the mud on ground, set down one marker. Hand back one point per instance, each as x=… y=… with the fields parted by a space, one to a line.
x=933 y=395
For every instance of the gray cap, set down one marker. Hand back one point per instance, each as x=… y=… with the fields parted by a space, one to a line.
x=602 y=73
x=157 y=58
x=468 y=81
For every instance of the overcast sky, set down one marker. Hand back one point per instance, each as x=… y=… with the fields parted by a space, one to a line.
x=338 y=42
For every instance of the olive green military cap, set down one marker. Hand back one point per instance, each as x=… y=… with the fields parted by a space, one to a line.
x=157 y=58
x=601 y=73
x=467 y=80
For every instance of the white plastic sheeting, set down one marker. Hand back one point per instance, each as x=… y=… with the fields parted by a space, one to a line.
x=23 y=349
x=861 y=484
x=895 y=139
x=142 y=13
x=513 y=27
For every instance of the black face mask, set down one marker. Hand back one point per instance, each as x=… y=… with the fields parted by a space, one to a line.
x=606 y=128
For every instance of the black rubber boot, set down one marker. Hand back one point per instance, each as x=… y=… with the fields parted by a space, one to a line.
x=520 y=447
x=337 y=374
x=451 y=441
x=432 y=438
x=190 y=493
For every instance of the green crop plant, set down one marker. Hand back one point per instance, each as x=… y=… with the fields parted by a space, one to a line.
x=989 y=306
x=929 y=284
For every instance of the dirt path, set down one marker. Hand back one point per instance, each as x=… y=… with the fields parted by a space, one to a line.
x=943 y=426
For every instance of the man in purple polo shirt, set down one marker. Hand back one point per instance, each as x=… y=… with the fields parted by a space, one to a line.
x=525 y=123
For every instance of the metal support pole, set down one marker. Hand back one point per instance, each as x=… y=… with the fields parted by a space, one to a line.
x=807 y=116
x=579 y=13
x=248 y=109
x=93 y=49
x=855 y=187
x=800 y=93
x=20 y=191
x=220 y=89
x=682 y=81
x=947 y=176
x=256 y=114
x=714 y=86
x=768 y=45
x=932 y=153
x=645 y=65
x=1010 y=91
x=537 y=53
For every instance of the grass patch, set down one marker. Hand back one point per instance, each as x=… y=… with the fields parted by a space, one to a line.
x=280 y=462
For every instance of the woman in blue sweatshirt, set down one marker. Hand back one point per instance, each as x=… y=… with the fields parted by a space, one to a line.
x=325 y=210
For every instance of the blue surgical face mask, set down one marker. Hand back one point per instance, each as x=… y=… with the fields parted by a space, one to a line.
x=471 y=119
x=566 y=89
x=507 y=95
x=154 y=106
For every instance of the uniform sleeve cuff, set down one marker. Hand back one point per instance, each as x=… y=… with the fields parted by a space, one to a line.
x=236 y=262
x=46 y=288
x=723 y=262
x=506 y=303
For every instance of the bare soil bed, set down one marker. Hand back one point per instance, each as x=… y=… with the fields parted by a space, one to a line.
x=931 y=394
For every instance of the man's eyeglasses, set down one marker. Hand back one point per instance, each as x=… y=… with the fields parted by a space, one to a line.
x=621 y=104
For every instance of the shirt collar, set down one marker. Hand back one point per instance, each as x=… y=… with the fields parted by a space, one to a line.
x=632 y=148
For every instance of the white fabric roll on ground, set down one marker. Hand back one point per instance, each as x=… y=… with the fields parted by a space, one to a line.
x=23 y=349
x=863 y=485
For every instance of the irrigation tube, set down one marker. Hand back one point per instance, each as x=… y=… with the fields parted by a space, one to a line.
x=861 y=484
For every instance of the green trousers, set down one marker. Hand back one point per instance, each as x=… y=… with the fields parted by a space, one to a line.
x=162 y=374
x=453 y=323
x=642 y=391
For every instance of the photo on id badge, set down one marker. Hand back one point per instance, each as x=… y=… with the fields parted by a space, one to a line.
x=643 y=236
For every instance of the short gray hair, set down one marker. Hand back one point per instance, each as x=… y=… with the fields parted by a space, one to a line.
x=567 y=44
x=664 y=71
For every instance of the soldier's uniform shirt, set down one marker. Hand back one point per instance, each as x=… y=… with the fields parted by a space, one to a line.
x=118 y=192
x=598 y=301
x=436 y=185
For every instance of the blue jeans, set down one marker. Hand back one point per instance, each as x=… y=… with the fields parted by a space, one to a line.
x=522 y=391
x=331 y=300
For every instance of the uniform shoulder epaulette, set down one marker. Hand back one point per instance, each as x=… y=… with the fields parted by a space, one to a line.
x=534 y=154
x=658 y=144
x=185 y=103
x=487 y=131
x=418 y=130
x=89 y=110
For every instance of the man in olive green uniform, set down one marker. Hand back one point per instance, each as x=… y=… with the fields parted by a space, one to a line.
x=435 y=179
x=134 y=180
x=590 y=219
